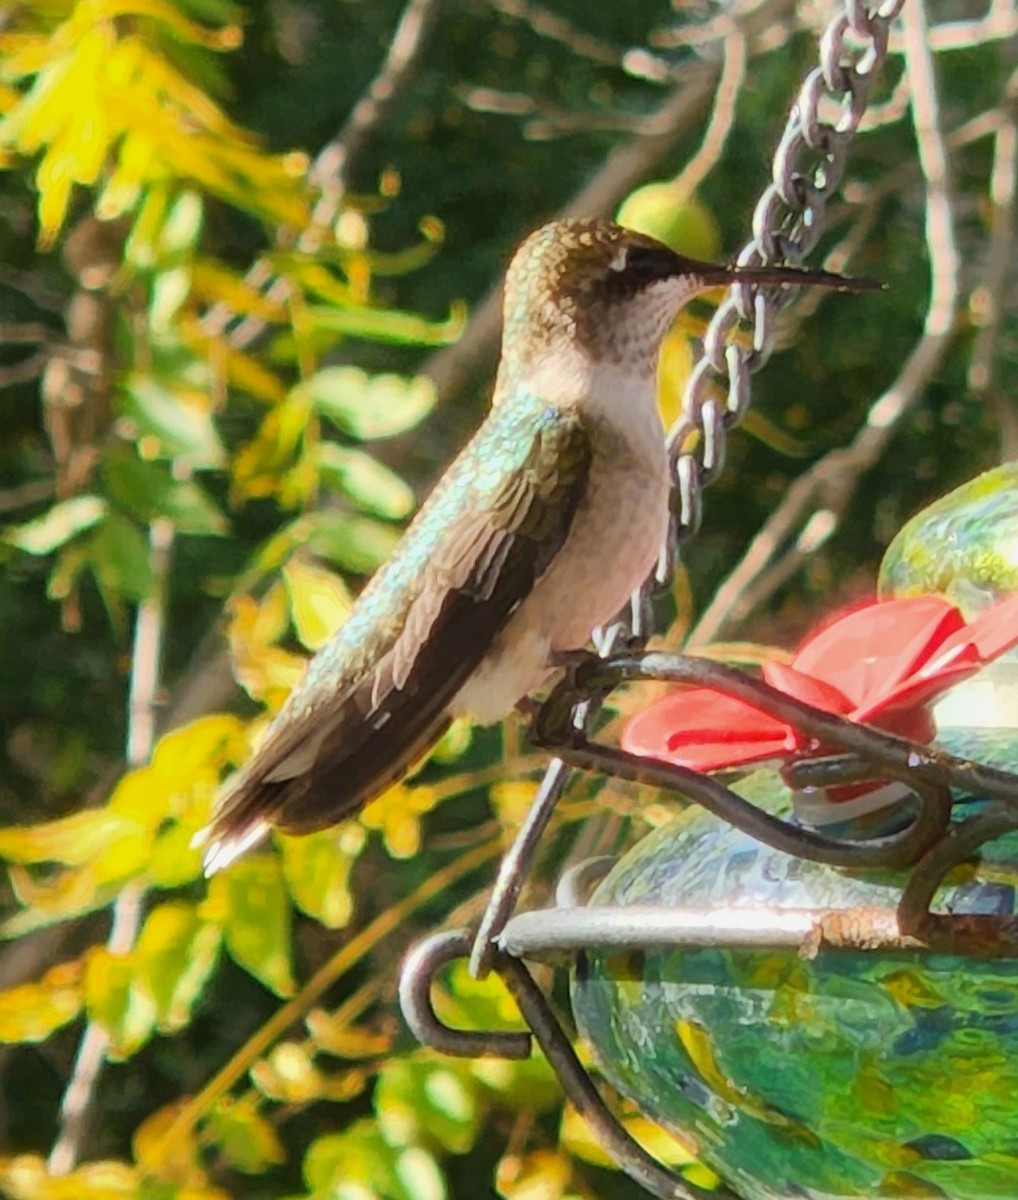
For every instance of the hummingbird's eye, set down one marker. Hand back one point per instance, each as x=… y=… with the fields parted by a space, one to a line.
x=650 y=263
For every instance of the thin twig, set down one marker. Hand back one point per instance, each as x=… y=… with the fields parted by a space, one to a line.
x=733 y=73
x=550 y=25
x=983 y=363
x=146 y=656
x=824 y=491
x=999 y=24
x=12 y=499
x=330 y=171
x=25 y=370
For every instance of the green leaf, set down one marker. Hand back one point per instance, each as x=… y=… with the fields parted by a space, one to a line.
x=126 y=1014
x=180 y=426
x=370 y=485
x=174 y=956
x=366 y=406
x=356 y=544
x=252 y=903
x=120 y=558
x=248 y=1141
x=58 y=525
x=317 y=869
x=359 y=1155
x=32 y=1011
x=149 y=490
x=182 y=226
x=417 y=1099
x=385 y=325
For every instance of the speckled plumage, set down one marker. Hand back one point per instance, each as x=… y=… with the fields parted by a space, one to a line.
x=542 y=527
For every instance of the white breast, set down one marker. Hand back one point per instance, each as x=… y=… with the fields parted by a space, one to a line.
x=613 y=544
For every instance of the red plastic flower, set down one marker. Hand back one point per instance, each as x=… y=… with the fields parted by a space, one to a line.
x=885 y=664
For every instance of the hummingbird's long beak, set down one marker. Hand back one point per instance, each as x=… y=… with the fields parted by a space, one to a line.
x=713 y=273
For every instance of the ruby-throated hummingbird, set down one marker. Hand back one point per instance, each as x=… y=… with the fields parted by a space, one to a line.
x=539 y=532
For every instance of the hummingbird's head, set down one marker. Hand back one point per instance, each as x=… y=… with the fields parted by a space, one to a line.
x=612 y=293
x=595 y=285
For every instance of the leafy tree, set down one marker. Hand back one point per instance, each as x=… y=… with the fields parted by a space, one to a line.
x=236 y=243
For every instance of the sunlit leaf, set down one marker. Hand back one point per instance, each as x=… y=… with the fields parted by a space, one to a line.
x=218 y=284
x=252 y=903
x=369 y=406
x=359 y=1155
x=171 y=290
x=337 y=1037
x=27 y=1177
x=124 y=1011
x=317 y=869
x=319 y=601
x=419 y=1098
x=541 y=1175
x=72 y=840
x=380 y=325
x=288 y=1075
x=32 y=1011
x=373 y=487
x=180 y=424
x=245 y=1138
x=57 y=525
x=267 y=465
x=266 y=672
x=356 y=544
x=396 y=814
x=173 y=958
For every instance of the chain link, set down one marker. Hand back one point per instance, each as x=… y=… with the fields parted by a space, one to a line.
x=787 y=223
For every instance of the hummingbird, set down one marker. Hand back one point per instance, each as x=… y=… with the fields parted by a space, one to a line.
x=539 y=532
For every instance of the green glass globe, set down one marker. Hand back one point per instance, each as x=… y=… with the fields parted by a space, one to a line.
x=849 y=1075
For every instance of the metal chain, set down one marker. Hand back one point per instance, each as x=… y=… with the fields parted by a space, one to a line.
x=787 y=223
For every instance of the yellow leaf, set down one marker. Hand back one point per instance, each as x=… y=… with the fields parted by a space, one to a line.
x=288 y=1075
x=345 y=1040
x=317 y=869
x=219 y=284
x=319 y=601
x=253 y=905
x=262 y=669
x=250 y=376
x=542 y=1175
x=511 y=801
x=396 y=815
x=67 y=894
x=247 y=1140
x=198 y=751
x=27 y=1177
x=260 y=468
x=72 y=840
x=32 y=1011
x=674 y=368
x=125 y=1012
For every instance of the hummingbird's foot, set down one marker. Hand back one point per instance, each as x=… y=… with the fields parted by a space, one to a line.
x=528 y=708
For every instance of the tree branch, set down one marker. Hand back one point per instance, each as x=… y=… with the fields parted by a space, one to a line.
x=149 y=629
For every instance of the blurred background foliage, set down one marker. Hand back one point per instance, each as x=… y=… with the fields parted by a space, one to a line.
x=246 y=262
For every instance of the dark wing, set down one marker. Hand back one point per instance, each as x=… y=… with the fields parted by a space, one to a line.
x=376 y=697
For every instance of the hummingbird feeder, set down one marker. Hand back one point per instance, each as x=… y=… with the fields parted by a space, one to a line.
x=811 y=975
